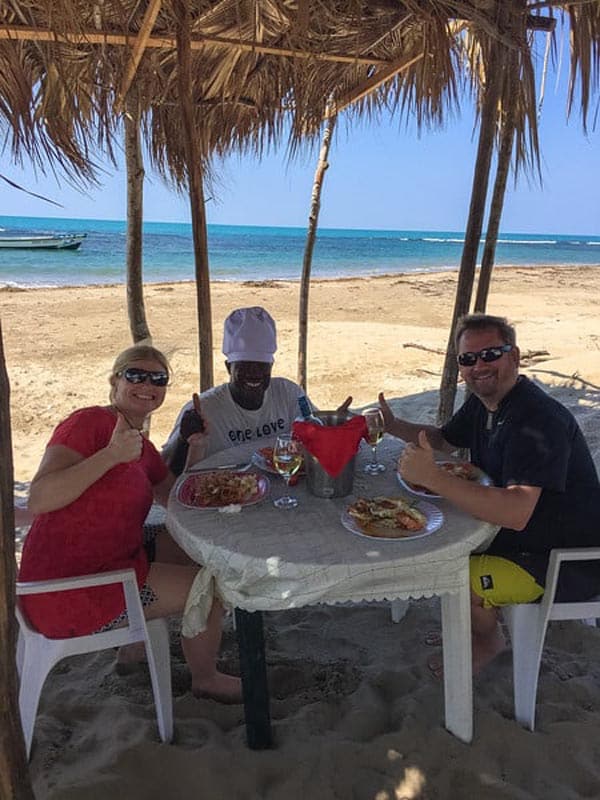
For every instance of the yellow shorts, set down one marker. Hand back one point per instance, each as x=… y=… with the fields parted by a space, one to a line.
x=500 y=582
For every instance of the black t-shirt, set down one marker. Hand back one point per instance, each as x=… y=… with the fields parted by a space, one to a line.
x=533 y=440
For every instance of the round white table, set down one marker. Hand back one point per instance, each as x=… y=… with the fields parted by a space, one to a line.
x=267 y=559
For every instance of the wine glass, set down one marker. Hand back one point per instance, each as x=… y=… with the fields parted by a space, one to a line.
x=287 y=460
x=375 y=427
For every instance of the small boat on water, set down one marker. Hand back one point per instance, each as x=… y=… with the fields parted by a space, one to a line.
x=52 y=241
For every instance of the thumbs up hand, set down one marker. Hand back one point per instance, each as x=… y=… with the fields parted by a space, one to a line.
x=125 y=443
x=192 y=421
x=417 y=464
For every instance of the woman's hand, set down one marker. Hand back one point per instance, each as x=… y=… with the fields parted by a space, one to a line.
x=125 y=443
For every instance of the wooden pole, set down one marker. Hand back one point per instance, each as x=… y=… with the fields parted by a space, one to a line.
x=499 y=191
x=466 y=273
x=196 y=191
x=135 y=194
x=14 y=775
x=313 y=221
x=24 y=33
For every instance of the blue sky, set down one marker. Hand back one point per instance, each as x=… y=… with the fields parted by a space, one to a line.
x=382 y=175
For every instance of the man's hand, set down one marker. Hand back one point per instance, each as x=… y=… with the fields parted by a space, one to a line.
x=345 y=405
x=125 y=443
x=388 y=415
x=417 y=464
x=192 y=421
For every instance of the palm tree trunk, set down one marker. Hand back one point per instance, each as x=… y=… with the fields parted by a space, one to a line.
x=135 y=193
x=313 y=221
x=194 y=159
x=14 y=775
x=135 y=221
x=498 y=194
x=466 y=273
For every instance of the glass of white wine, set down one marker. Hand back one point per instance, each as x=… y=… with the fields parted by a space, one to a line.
x=287 y=459
x=375 y=427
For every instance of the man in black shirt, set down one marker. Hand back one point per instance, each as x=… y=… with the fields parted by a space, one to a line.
x=545 y=491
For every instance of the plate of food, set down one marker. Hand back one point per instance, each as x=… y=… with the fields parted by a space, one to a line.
x=462 y=469
x=392 y=518
x=221 y=488
x=263 y=459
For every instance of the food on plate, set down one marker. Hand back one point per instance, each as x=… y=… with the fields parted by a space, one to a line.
x=387 y=516
x=267 y=454
x=461 y=469
x=223 y=488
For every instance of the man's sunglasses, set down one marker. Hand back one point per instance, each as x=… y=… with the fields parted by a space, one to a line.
x=488 y=354
x=135 y=375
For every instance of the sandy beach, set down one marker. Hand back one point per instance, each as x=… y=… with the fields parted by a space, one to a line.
x=356 y=713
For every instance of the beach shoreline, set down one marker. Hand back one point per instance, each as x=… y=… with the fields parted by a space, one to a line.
x=314 y=280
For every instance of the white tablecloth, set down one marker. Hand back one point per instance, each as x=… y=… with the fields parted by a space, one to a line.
x=265 y=558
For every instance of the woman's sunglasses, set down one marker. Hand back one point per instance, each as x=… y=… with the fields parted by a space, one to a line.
x=488 y=354
x=135 y=375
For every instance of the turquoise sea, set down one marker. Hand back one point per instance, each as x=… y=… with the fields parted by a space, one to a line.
x=239 y=253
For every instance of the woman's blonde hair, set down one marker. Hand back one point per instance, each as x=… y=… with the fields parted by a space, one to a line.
x=139 y=352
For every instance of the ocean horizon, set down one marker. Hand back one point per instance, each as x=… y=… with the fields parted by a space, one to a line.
x=252 y=253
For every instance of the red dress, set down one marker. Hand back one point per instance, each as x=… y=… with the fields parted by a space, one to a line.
x=99 y=531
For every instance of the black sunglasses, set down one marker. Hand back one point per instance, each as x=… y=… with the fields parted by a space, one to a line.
x=135 y=375
x=488 y=354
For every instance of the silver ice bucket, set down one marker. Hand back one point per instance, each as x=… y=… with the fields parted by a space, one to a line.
x=319 y=482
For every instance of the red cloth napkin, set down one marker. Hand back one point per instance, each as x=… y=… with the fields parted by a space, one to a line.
x=332 y=445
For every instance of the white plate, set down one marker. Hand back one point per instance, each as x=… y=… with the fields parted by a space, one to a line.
x=435 y=520
x=186 y=487
x=482 y=479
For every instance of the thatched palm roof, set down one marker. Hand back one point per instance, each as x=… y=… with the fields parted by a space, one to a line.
x=257 y=65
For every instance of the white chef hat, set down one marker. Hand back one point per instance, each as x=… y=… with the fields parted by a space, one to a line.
x=249 y=335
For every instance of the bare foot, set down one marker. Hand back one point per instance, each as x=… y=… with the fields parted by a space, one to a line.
x=220 y=687
x=129 y=658
x=486 y=648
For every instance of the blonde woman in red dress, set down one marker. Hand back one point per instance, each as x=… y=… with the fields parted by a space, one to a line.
x=97 y=480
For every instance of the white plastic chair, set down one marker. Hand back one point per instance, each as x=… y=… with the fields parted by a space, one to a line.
x=527 y=625
x=36 y=654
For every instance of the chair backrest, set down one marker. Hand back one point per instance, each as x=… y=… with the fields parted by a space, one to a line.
x=552 y=610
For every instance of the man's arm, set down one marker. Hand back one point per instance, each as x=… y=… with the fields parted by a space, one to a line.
x=176 y=452
x=409 y=431
x=509 y=507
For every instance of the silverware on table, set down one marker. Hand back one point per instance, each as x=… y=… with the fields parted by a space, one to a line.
x=235 y=467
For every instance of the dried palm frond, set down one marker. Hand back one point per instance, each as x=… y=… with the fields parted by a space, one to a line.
x=264 y=71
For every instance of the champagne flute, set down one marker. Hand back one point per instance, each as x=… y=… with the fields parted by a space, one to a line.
x=287 y=460
x=375 y=427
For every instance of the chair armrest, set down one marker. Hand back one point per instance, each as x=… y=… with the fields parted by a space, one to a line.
x=557 y=557
x=78 y=582
x=574 y=554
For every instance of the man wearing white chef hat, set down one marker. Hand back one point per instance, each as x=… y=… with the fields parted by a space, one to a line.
x=252 y=406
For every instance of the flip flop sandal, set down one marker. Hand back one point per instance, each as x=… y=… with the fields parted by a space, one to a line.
x=435 y=665
x=433 y=638
x=225 y=699
x=123 y=668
